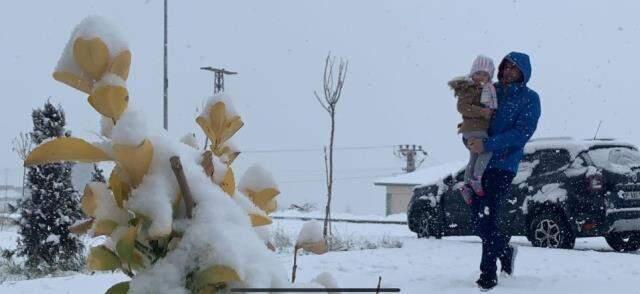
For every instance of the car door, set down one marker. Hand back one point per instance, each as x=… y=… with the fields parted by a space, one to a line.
x=544 y=168
x=457 y=215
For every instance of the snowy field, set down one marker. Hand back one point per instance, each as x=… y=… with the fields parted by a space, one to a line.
x=419 y=266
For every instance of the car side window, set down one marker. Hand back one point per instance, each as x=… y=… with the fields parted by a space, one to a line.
x=550 y=160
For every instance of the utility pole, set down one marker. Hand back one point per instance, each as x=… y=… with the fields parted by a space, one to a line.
x=218 y=85
x=218 y=81
x=410 y=153
x=166 y=78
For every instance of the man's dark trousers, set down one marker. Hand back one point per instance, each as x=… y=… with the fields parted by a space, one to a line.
x=493 y=218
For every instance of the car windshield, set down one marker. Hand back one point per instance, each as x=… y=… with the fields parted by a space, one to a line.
x=617 y=159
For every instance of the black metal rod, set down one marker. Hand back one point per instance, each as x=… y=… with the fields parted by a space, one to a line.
x=315 y=290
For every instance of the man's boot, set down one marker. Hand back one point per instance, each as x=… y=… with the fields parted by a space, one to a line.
x=508 y=261
x=486 y=282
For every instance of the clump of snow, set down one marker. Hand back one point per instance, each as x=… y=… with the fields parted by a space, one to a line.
x=620 y=160
x=248 y=205
x=256 y=178
x=110 y=79
x=549 y=193
x=311 y=232
x=326 y=280
x=81 y=175
x=106 y=206
x=106 y=126
x=131 y=129
x=525 y=170
x=190 y=140
x=153 y=198
x=264 y=232
x=53 y=238
x=222 y=97
x=89 y=28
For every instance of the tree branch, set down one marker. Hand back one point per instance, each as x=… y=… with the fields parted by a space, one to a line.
x=176 y=166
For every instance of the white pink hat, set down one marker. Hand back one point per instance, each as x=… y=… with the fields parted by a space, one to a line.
x=482 y=63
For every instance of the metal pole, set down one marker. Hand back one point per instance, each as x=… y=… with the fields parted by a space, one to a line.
x=166 y=78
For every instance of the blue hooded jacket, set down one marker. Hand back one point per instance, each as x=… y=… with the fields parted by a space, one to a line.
x=515 y=120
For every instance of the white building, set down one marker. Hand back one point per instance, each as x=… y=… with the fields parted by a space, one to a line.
x=400 y=187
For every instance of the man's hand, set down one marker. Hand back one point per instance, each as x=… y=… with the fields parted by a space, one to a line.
x=476 y=145
x=486 y=113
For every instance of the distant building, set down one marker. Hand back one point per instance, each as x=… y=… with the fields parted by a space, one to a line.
x=400 y=187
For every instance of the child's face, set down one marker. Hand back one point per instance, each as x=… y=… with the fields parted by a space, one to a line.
x=481 y=77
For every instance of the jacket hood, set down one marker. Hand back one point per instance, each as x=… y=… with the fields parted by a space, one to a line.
x=522 y=62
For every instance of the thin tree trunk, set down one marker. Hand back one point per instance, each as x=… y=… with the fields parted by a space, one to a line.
x=330 y=184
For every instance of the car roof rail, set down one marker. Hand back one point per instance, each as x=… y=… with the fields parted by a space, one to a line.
x=565 y=138
x=600 y=139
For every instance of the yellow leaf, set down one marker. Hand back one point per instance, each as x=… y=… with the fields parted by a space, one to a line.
x=92 y=56
x=228 y=184
x=104 y=227
x=81 y=227
x=202 y=122
x=134 y=160
x=319 y=247
x=89 y=201
x=66 y=149
x=258 y=220
x=102 y=259
x=271 y=206
x=231 y=128
x=125 y=245
x=137 y=263
x=120 y=64
x=119 y=288
x=110 y=100
x=74 y=81
x=119 y=187
x=215 y=275
x=217 y=119
x=263 y=198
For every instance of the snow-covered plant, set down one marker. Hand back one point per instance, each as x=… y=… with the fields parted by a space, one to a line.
x=310 y=239
x=51 y=206
x=171 y=214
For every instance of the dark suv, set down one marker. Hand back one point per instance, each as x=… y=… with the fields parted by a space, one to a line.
x=564 y=189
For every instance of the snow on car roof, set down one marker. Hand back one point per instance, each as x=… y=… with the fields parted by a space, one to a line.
x=423 y=175
x=574 y=146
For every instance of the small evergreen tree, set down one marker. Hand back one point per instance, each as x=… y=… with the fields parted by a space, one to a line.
x=50 y=207
x=98 y=174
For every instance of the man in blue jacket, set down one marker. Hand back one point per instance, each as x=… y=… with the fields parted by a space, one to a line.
x=513 y=123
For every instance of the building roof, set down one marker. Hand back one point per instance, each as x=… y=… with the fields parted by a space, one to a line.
x=423 y=175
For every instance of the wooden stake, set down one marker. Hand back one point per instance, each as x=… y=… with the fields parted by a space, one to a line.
x=176 y=166
x=295 y=265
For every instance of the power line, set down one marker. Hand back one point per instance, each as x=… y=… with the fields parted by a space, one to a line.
x=318 y=149
x=336 y=179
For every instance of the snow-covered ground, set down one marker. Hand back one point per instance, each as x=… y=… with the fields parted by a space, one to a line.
x=419 y=266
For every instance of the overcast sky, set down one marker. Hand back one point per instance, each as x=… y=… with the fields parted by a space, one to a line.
x=401 y=54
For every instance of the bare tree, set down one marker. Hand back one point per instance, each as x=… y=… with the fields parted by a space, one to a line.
x=22 y=145
x=332 y=91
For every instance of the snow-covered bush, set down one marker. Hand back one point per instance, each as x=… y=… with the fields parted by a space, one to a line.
x=171 y=215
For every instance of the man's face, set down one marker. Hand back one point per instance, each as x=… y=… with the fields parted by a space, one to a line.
x=510 y=73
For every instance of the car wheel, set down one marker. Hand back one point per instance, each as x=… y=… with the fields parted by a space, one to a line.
x=624 y=241
x=550 y=229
